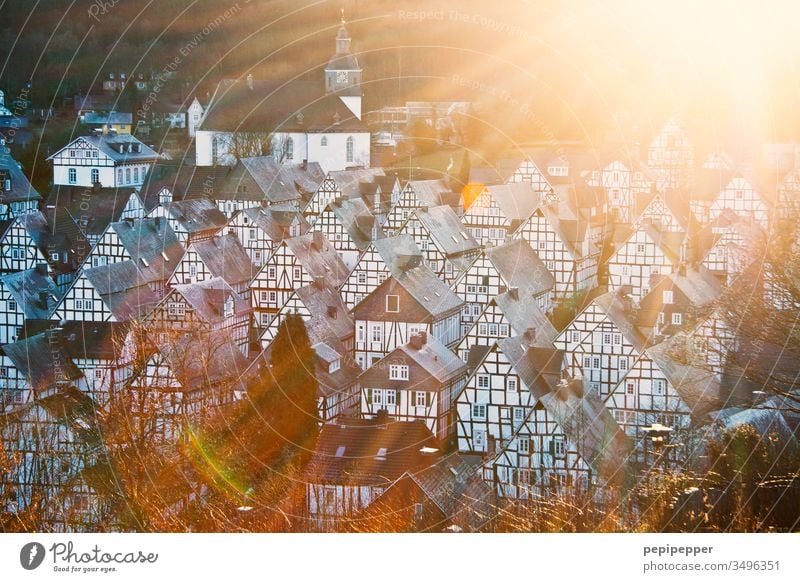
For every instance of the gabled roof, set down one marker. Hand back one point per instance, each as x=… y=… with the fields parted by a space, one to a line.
x=619 y=309
x=356 y=219
x=429 y=192
x=57 y=232
x=587 y=423
x=183 y=181
x=208 y=299
x=94 y=340
x=224 y=256
x=42 y=359
x=282 y=182
x=123 y=289
x=21 y=189
x=446 y=229
x=340 y=380
x=197 y=215
x=370 y=452
x=318 y=257
x=349 y=181
x=117 y=147
x=432 y=298
x=330 y=320
x=525 y=316
x=398 y=252
x=199 y=361
x=520 y=267
x=105 y=205
x=516 y=201
x=34 y=291
x=282 y=106
x=151 y=244
x=275 y=220
x=434 y=365
x=112 y=117
x=538 y=368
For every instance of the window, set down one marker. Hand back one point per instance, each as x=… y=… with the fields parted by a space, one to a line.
x=377 y=333
x=493 y=329
x=290 y=149
x=479 y=411
x=127 y=175
x=483 y=381
x=596 y=363
x=176 y=309
x=576 y=336
x=677 y=319
x=12 y=305
x=661 y=317
x=119 y=176
x=360 y=332
x=73 y=176
x=391 y=397
x=349 y=149
x=587 y=362
x=519 y=416
x=95 y=175
x=640 y=249
x=251 y=234
x=271 y=273
x=421 y=398
x=98 y=373
x=617 y=339
x=483 y=329
x=334 y=366
x=659 y=386
x=398 y=372
x=392 y=303
x=273 y=297
x=524 y=445
x=73 y=153
x=558 y=447
x=606 y=339
x=623 y=363
x=511 y=384
x=630 y=388
x=324 y=141
x=297 y=273
x=668 y=297
x=362 y=278
x=136 y=175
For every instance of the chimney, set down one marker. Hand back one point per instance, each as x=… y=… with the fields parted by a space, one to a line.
x=332 y=311
x=513 y=292
x=316 y=241
x=305 y=164
x=382 y=417
x=530 y=335
x=423 y=208
x=418 y=340
x=319 y=282
x=682 y=270
x=41 y=269
x=43 y=297
x=250 y=81
x=158 y=222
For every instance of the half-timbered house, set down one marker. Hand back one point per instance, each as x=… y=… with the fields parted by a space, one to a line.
x=448 y=249
x=192 y=220
x=354 y=463
x=26 y=297
x=415 y=194
x=646 y=252
x=350 y=227
x=624 y=182
x=18 y=249
x=261 y=229
x=296 y=262
x=219 y=256
x=498 y=211
x=416 y=381
x=382 y=258
x=602 y=343
x=514 y=265
x=413 y=301
x=17 y=196
x=670 y=155
x=336 y=185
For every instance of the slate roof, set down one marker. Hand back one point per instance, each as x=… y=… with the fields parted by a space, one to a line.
x=520 y=267
x=399 y=252
x=206 y=360
x=356 y=219
x=123 y=289
x=318 y=257
x=197 y=215
x=290 y=106
x=57 y=231
x=225 y=257
x=330 y=320
x=341 y=380
x=435 y=366
x=208 y=299
x=349 y=181
x=524 y=316
x=538 y=368
x=98 y=340
x=34 y=291
x=275 y=220
x=516 y=201
x=447 y=230
x=184 y=182
x=281 y=183
x=43 y=360
x=430 y=193
x=21 y=189
x=619 y=310
x=369 y=452
x=113 y=117
x=152 y=245
x=92 y=208
x=110 y=145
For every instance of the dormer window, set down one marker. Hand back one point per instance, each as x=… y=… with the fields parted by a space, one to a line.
x=334 y=366
x=229 y=306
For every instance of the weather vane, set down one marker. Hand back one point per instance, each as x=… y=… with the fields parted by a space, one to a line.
x=343 y=16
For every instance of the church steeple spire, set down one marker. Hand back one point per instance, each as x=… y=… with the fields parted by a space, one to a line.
x=343 y=38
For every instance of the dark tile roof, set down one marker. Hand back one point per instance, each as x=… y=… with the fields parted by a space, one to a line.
x=319 y=258
x=120 y=147
x=197 y=215
x=123 y=289
x=34 y=291
x=225 y=257
x=356 y=219
x=399 y=252
x=276 y=220
x=538 y=368
x=521 y=267
x=92 y=209
x=370 y=453
x=266 y=106
x=447 y=230
x=101 y=340
x=330 y=320
x=208 y=299
x=525 y=315
x=21 y=189
x=43 y=360
x=152 y=245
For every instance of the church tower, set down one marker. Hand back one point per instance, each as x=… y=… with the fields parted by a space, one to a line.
x=342 y=73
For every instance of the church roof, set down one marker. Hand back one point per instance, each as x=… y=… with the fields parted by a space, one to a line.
x=290 y=106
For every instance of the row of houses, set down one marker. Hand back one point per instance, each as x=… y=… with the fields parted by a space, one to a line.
x=427 y=312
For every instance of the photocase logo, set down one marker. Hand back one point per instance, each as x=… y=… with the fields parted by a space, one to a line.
x=31 y=555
